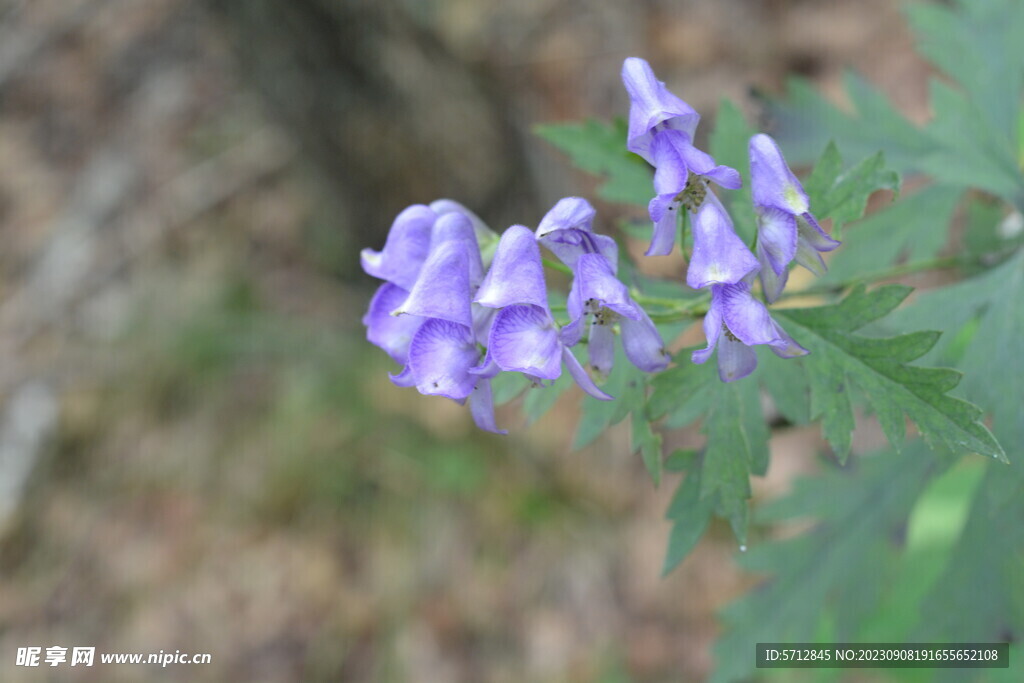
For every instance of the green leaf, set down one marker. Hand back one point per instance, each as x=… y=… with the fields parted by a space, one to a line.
x=737 y=440
x=737 y=445
x=690 y=515
x=844 y=196
x=627 y=385
x=600 y=149
x=973 y=153
x=841 y=359
x=728 y=145
x=915 y=227
x=991 y=357
x=977 y=44
x=648 y=443
x=849 y=552
x=804 y=122
x=540 y=399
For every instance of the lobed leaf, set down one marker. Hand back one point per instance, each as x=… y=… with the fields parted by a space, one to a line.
x=841 y=359
x=600 y=149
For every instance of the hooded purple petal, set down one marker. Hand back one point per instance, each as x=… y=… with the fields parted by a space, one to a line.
x=440 y=357
x=568 y=214
x=601 y=347
x=703 y=164
x=712 y=326
x=457 y=227
x=390 y=332
x=581 y=377
x=597 y=282
x=746 y=317
x=663 y=210
x=736 y=360
x=404 y=378
x=481 y=405
x=516 y=275
x=719 y=255
x=405 y=250
x=785 y=346
x=643 y=344
x=671 y=172
x=776 y=247
x=571 y=333
x=772 y=283
x=567 y=230
x=442 y=289
x=771 y=181
x=652 y=104
x=524 y=339
x=483 y=233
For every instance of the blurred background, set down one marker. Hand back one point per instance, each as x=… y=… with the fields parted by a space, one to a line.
x=198 y=449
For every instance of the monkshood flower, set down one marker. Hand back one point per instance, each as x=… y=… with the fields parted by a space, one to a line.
x=596 y=293
x=568 y=231
x=719 y=255
x=524 y=336
x=432 y=327
x=737 y=321
x=661 y=130
x=786 y=228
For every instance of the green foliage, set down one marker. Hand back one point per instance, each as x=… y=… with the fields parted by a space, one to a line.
x=844 y=196
x=914 y=228
x=841 y=360
x=600 y=149
x=989 y=306
x=728 y=145
x=838 y=566
x=973 y=138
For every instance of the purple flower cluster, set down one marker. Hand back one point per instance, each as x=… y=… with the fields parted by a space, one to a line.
x=454 y=321
x=661 y=130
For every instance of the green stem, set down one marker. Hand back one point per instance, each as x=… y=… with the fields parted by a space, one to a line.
x=560 y=267
x=896 y=271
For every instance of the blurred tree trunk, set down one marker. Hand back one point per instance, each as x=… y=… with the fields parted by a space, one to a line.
x=387 y=115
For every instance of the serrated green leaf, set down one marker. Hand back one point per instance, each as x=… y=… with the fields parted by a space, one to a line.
x=804 y=122
x=977 y=44
x=991 y=358
x=600 y=149
x=840 y=359
x=843 y=196
x=690 y=515
x=737 y=445
x=648 y=443
x=973 y=153
x=845 y=554
x=915 y=227
x=681 y=392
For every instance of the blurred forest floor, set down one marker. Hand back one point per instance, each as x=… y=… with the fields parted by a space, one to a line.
x=198 y=451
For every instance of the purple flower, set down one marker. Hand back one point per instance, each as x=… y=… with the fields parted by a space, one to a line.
x=786 y=228
x=405 y=250
x=567 y=230
x=719 y=255
x=652 y=106
x=524 y=336
x=423 y=316
x=744 y=321
x=598 y=295
x=661 y=129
